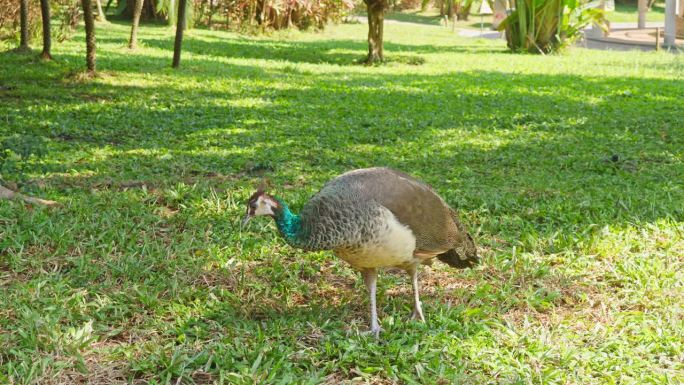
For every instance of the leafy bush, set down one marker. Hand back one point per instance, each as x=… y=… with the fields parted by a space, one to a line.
x=276 y=14
x=9 y=20
x=543 y=26
x=401 y=5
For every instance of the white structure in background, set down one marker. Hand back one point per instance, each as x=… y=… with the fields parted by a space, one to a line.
x=674 y=19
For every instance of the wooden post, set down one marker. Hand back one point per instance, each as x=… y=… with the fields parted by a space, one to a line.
x=658 y=39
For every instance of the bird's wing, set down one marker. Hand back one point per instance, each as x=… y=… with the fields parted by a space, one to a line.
x=413 y=202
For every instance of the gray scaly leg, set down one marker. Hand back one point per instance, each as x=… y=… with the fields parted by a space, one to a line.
x=370 y=277
x=417 y=309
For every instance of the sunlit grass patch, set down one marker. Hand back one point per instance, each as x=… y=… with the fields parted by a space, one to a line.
x=566 y=169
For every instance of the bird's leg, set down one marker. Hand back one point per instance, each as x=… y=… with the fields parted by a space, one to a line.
x=370 y=277
x=417 y=309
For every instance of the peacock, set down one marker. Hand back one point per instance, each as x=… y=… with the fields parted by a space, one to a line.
x=374 y=218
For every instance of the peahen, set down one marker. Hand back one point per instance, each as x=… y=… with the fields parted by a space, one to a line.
x=374 y=218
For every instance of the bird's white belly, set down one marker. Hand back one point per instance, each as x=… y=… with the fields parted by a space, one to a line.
x=392 y=244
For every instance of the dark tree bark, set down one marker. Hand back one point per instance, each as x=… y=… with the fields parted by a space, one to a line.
x=137 y=11
x=90 y=35
x=211 y=13
x=24 y=15
x=180 y=26
x=376 y=17
x=47 y=38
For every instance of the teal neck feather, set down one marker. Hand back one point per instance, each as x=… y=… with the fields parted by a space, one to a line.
x=289 y=224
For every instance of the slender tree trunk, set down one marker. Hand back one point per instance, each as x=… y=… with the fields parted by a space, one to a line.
x=47 y=39
x=180 y=26
x=90 y=35
x=137 y=11
x=100 y=13
x=202 y=10
x=24 y=15
x=211 y=13
x=252 y=12
x=262 y=18
x=376 y=17
x=642 y=6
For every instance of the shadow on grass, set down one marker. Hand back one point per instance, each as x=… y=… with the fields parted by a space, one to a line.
x=338 y=52
x=555 y=151
x=527 y=156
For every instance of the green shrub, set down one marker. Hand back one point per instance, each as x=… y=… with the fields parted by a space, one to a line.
x=543 y=26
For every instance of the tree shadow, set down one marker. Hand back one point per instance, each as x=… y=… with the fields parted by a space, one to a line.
x=532 y=161
x=568 y=123
x=416 y=17
x=337 y=52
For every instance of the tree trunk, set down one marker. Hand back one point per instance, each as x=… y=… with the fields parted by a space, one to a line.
x=47 y=39
x=211 y=13
x=376 y=16
x=90 y=35
x=180 y=26
x=24 y=15
x=642 y=6
x=137 y=11
x=100 y=13
x=202 y=10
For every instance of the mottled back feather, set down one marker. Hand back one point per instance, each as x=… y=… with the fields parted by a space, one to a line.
x=352 y=198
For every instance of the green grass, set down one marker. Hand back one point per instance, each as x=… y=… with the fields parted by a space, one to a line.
x=567 y=169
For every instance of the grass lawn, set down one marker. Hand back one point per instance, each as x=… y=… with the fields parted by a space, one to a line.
x=630 y=13
x=568 y=170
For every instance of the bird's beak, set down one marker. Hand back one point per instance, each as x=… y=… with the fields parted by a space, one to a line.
x=246 y=219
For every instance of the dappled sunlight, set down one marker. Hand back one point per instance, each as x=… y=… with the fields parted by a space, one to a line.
x=565 y=168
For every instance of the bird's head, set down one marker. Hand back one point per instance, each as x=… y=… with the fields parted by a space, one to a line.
x=260 y=203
